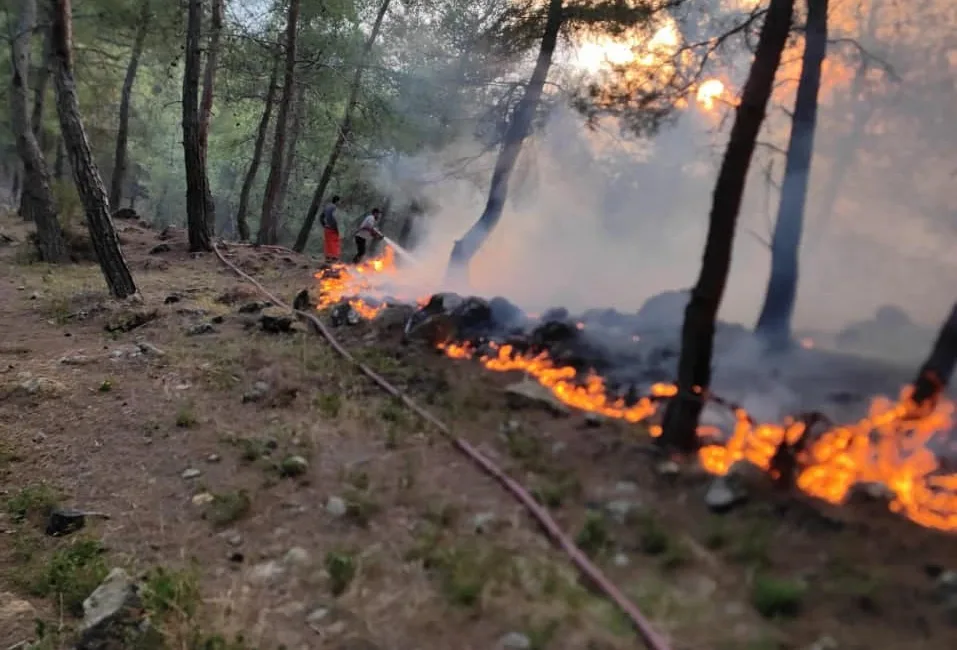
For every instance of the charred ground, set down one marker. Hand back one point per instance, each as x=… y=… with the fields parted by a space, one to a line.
x=257 y=483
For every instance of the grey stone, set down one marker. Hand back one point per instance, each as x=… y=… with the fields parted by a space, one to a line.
x=191 y=473
x=266 y=573
x=114 y=595
x=483 y=521
x=721 y=495
x=76 y=360
x=619 y=509
x=234 y=539
x=200 y=328
x=620 y=560
x=515 y=641
x=213 y=458
x=297 y=556
x=626 y=487
x=668 y=468
x=317 y=616
x=150 y=350
x=824 y=643
x=336 y=506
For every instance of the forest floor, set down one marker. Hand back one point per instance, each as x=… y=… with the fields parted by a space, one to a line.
x=259 y=485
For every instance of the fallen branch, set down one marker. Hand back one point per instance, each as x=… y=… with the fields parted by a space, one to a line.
x=540 y=514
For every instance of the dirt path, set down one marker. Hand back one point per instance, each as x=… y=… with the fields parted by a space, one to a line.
x=286 y=500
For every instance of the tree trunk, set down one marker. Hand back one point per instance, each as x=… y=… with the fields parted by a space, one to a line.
x=697 y=334
x=89 y=185
x=122 y=131
x=268 y=223
x=39 y=93
x=288 y=163
x=250 y=178
x=59 y=163
x=937 y=370
x=518 y=130
x=37 y=196
x=195 y=160
x=206 y=105
x=345 y=126
x=774 y=322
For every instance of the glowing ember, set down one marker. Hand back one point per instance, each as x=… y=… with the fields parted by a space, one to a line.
x=889 y=446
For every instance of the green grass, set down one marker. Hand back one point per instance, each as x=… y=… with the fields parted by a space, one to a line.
x=67 y=576
x=776 y=597
x=341 y=567
x=228 y=508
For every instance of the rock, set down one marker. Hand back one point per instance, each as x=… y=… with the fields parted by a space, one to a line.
x=722 y=495
x=317 y=616
x=824 y=643
x=160 y=248
x=172 y=299
x=293 y=466
x=126 y=213
x=276 y=324
x=510 y=427
x=266 y=573
x=558 y=448
x=130 y=320
x=531 y=393
x=76 y=360
x=871 y=492
x=63 y=521
x=203 y=499
x=191 y=473
x=483 y=521
x=234 y=539
x=110 y=613
x=253 y=307
x=259 y=390
x=620 y=509
x=336 y=506
x=620 y=560
x=946 y=584
x=150 y=350
x=594 y=420
x=40 y=386
x=200 y=328
x=213 y=458
x=297 y=556
x=515 y=641
x=668 y=468
x=626 y=487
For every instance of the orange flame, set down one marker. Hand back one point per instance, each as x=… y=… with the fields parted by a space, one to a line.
x=889 y=446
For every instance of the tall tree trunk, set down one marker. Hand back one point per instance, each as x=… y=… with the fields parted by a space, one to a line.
x=196 y=180
x=937 y=370
x=59 y=163
x=774 y=322
x=345 y=127
x=697 y=333
x=287 y=166
x=518 y=129
x=261 y=132
x=122 y=131
x=268 y=223
x=89 y=185
x=206 y=105
x=39 y=94
x=37 y=196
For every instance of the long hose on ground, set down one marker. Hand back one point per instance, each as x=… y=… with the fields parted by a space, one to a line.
x=651 y=638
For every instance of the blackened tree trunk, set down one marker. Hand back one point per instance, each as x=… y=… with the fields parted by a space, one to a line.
x=89 y=185
x=206 y=105
x=37 y=197
x=59 y=163
x=196 y=181
x=937 y=370
x=345 y=128
x=518 y=129
x=289 y=161
x=774 y=322
x=269 y=221
x=697 y=334
x=122 y=131
x=250 y=178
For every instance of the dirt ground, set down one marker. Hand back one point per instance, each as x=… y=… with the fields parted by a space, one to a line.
x=268 y=495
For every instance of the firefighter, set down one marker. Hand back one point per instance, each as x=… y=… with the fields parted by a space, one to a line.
x=366 y=232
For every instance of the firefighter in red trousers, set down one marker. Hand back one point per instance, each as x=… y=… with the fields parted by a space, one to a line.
x=332 y=243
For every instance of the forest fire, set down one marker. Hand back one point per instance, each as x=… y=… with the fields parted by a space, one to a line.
x=888 y=447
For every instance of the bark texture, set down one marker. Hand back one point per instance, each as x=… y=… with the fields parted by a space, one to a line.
x=345 y=127
x=290 y=158
x=37 y=199
x=206 y=104
x=774 y=322
x=697 y=334
x=518 y=129
x=241 y=223
x=195 y=161
x=89 y=185
x=937 y=370
x=122 y=130
x=269 y=221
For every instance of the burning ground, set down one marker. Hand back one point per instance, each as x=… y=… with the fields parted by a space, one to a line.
x=255 y=482
x=617 y=366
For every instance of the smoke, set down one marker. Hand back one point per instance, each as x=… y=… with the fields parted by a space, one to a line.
x=595 y=219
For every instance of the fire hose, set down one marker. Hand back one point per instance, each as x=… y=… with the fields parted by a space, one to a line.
x=643 y=627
